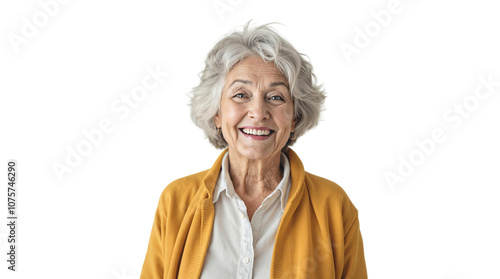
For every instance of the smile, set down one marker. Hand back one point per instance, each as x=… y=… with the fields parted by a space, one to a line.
x=258 y=134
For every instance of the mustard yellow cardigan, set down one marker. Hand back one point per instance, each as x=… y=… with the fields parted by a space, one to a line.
x=318 y=237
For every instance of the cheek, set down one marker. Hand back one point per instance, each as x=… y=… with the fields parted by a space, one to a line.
x=286 y=118
x=233 y=115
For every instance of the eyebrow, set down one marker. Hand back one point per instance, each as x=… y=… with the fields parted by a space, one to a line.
x=273 y=84
x=240 y=80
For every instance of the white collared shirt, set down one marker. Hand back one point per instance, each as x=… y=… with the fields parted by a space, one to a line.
x=240 y=248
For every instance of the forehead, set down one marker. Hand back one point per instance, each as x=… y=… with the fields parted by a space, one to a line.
x=254 y=68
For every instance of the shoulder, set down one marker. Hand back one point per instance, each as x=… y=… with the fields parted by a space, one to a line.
x=189 y=190
x=324 y=187
x=327 y=193
x=320 y=191
x=184 y=189
x=185 y=186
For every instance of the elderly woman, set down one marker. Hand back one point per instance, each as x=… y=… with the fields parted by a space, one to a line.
x=256 y=213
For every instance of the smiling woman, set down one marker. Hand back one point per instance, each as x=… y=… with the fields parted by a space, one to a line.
x=255 y=101
x=256 y=213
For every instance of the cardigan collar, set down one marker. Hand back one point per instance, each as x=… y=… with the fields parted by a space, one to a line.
x=297 y=174
x=224 y=181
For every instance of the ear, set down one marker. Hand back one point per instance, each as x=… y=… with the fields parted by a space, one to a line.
x=217 y=120
x=293 y=125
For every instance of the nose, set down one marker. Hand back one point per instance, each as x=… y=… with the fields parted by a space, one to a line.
x=258 y=110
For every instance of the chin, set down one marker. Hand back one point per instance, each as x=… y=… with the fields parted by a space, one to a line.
x=256 y=152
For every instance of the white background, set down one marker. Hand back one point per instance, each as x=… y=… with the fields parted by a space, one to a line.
x=441 y=222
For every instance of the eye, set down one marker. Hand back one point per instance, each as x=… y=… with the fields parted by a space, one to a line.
x=239 y=95
x=276 y=98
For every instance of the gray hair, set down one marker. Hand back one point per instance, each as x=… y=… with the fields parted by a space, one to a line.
x=307 y=96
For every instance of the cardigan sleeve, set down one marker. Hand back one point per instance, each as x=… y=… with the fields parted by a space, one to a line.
x=354 y=258
x=154 y=265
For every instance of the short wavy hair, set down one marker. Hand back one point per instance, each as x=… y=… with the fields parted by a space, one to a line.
x=264 y=41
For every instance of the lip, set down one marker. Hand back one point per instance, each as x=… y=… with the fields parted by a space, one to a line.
x=256 y=128
x=255 y=137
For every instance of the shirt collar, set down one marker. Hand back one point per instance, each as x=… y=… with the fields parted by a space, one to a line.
x=224 y=181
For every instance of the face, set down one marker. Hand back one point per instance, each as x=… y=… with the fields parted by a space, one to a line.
x=256 y=109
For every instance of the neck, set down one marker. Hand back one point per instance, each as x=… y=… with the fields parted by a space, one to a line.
x=255 y=178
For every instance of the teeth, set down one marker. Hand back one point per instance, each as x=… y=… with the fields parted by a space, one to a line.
x=257 y=132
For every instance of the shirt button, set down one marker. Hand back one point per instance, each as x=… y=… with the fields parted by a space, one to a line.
x=246 y=260
x=242 y=215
